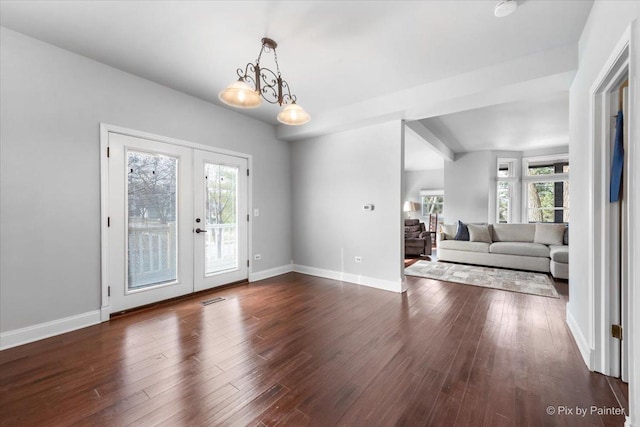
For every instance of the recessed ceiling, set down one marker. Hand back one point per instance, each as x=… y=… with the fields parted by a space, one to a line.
x=517 y=126
x=331 y=53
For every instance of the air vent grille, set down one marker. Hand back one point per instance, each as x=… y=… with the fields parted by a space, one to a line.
x=212 y=301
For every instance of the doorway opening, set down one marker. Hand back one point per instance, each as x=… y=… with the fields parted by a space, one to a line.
x=611 y=254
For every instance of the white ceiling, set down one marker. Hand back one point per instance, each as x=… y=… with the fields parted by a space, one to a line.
x=332 y=53
x=524 y=125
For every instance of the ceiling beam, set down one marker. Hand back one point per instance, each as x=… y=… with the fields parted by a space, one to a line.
x=434 y=142
x=543 y=73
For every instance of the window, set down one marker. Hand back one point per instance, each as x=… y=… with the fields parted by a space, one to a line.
x=504 y=201
x=546 y=189
x=432 y=202
x=506 y=179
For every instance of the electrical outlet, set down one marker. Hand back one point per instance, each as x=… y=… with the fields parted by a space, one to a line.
x=257 y=257
x=358 y=259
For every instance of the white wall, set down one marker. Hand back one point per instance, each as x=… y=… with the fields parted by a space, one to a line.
x=333 y=177
x=52 y=102
x=606 y=24
x=466 y=187
x=414 y=181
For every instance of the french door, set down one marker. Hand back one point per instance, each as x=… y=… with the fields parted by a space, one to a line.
x=220 y=222
x=177 y=220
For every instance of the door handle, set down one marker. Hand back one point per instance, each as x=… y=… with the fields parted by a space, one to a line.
x=199 y=230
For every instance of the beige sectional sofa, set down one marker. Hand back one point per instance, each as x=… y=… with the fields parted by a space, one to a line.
x=536 y=247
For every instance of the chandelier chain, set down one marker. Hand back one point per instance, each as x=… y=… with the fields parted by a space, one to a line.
x=260 y=55
x=275 y=56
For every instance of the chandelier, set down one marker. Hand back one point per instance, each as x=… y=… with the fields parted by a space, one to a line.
x=256 y=83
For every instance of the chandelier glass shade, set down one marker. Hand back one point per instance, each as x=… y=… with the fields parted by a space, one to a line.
x=293 y=114
x=256 y=83
x=241 y=95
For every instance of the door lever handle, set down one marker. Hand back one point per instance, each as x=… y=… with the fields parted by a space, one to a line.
x=199 y=230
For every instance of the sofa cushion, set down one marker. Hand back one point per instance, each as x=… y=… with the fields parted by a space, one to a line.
x=549 y=234
x=449 y=231
x=559 y=253
x=479 y=233
x=520 y=248
x=461 y=245
x=412 y=234
x=462 y=233
x=513 y=232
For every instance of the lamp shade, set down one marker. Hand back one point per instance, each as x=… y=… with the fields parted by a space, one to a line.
x=410 y=207
x=293 y=114
x=241 y=95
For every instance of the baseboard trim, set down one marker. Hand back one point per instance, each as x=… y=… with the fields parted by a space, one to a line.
x=44 y=330
x=386 y=285
x=272 y=272
x=581 y=341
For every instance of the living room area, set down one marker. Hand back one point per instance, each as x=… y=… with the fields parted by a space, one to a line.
x=501 y=165
x=493 y=125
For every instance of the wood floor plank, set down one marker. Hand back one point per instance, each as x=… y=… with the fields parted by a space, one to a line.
x=301 y=350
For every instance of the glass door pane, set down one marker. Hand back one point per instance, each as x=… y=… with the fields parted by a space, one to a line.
x=220 y=222
x=221 y=218
x=151 y=223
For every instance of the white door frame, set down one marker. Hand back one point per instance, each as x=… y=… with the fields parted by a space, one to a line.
x=105 y=129
x=604 y=308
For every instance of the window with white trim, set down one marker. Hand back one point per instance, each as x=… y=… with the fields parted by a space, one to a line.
x=545 y=186
x=505 y=189
x=432 y=202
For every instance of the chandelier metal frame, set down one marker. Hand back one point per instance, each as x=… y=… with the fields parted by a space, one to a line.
x=270 y=85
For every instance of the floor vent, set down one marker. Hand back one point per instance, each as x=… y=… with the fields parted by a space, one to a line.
x=212 y=301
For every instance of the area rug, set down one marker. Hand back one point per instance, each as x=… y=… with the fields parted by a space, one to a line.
x=411 y=261
x=497 y=278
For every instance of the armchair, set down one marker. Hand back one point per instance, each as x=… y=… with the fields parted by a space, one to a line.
x=417 y=240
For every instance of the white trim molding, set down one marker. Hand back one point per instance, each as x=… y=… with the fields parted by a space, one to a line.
x=44 y=330
x=583 y=345
x=604 y=298
x=386 y=285
x=272 y=272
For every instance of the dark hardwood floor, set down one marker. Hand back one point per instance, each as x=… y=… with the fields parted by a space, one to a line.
x=299 y=350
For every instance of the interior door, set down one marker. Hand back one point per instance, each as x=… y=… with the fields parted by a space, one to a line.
x=150 y=214
x=220 y=221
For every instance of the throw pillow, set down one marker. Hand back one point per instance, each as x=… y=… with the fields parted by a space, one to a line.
x=479 y=233
x=449 y=231
x=463 y=232
x=549 y=234
x=565 y=239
